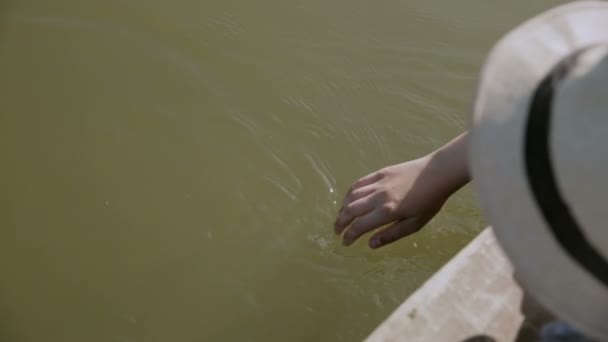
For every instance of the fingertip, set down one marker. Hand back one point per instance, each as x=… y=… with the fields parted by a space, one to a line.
x=375 y=243
x=395 y=232
x=348 y=238
x=338 y=227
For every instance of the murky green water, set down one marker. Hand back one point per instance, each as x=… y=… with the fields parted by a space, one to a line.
x=170 y=169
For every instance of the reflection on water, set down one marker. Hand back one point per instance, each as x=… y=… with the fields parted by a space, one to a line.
x=170 y=171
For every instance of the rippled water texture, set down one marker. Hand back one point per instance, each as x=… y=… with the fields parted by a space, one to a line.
x=171 y=169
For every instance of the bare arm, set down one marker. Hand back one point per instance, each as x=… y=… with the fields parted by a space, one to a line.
x=404 y=196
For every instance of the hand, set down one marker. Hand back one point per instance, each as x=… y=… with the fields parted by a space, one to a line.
x=404 y=196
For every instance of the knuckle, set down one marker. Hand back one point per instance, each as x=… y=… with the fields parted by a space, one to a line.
x=353 y=232
x=356 y=193
x=358 y=183
x=388 y=208
x=348 y=210
x=385 y=195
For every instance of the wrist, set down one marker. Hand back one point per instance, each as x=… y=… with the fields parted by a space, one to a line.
x=449 y=164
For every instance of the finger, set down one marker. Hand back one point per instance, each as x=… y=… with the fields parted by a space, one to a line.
x=364 y=224
x=396 y=231
x=351 y=211
x=367 y=180
x=358 y=193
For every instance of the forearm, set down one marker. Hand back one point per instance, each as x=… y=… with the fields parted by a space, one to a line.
x=451 y=163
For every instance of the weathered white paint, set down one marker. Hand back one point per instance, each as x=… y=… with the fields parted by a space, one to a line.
x=473 y=295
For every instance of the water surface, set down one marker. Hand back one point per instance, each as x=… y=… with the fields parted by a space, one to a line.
x=171 y=169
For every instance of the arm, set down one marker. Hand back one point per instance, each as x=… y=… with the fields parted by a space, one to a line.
x=451 y=161
x=404 y=196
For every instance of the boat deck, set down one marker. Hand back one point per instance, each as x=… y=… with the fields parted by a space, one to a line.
x=474 y=297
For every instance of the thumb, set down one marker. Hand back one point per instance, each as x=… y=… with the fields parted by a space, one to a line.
x=396 y=231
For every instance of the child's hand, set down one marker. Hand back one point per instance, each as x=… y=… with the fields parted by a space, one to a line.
x=406 y=196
